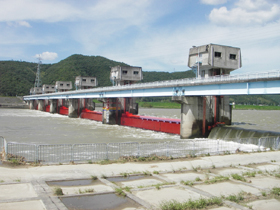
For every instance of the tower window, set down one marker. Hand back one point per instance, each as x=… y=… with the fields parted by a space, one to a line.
x=232 y=56
x=218 y=54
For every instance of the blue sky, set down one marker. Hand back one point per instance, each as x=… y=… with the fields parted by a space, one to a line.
x=153 y=34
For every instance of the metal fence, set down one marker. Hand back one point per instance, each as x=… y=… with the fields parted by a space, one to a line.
x=61 y=153
x=2 y=143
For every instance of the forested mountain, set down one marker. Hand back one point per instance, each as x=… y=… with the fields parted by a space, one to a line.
x=16 y=77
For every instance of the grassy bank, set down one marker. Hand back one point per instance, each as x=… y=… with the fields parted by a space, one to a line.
x=174 y=105
x=165 y=105
x=247 y=107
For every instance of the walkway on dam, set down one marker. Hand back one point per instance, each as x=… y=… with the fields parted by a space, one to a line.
x=26 y=187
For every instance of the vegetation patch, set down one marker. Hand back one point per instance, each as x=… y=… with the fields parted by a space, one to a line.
x=58 y=191
x=217 y=179
x=201 y=203
x=235 y=198
x=249 y=174
x=189 y=183
x=90 y=190
x=275 y=191
x=238 y=177
x=119 y=191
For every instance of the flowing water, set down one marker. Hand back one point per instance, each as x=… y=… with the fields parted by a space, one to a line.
x=31 y=126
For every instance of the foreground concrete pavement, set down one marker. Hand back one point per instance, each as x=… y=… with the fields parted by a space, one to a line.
x=25 y=187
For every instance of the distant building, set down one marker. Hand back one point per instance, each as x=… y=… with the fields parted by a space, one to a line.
x=123 y=75
x=212 y=59
x=62 y=86
x=85 y=82
x=36 y=91
x=48 y=88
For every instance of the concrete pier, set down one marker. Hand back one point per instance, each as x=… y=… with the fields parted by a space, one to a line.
x=53 y=106
x=200 y=114
x=111 y=111
x=41 y=105
x=73 y=108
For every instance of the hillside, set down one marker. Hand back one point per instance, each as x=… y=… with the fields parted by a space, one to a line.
x=16 y=78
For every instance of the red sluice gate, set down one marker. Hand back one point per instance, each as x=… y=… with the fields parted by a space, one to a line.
x=165 y=125
x=48 y=108
x=92 y=115
x=63 y=110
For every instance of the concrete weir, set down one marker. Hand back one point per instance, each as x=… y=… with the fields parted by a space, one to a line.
x=204 y=100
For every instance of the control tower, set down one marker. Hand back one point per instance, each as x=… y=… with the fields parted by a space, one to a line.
x=125 y=75
x=85 y=82
x=212 y=60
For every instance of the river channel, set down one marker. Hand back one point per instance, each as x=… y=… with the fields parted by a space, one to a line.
x=31 y=126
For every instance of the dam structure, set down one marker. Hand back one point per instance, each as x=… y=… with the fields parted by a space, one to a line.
x=204 y=100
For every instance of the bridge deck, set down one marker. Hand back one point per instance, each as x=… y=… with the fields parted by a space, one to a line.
x=261 y=83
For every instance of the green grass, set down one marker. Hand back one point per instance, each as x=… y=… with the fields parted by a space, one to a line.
x=238 y=177
x=201 y=203
x=58 y=191
x=166 y=105
x=275 y=191
x=119 y=191
x=94 y=177
x=217 y=179
x=189 y=183
x=246 y=107
x=235 y=198
x=249 y=174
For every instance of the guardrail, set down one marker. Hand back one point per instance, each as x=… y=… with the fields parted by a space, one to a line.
x=61 y=153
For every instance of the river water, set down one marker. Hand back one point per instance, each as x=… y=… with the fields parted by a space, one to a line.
x=31 y=126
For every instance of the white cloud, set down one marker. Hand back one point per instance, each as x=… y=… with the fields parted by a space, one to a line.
x=19 y=23
x=49 y=11
x=55 y=11
x=47 y=56
x=24 y=23
x=213 y=2
x=245 y=13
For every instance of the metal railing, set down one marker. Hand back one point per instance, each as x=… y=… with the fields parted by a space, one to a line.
x=2 y=143
x=61 y=153
x=174 y=83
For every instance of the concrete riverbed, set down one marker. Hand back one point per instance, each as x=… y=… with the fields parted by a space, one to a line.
x=29 y=187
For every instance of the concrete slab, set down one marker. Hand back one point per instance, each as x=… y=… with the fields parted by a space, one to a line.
x=268 y=167
x=265 y=182
x=228 y=171
x=17 y=191
x=184 y=176
x=271 y=204
x=24 y=205
x=223 y=208
x=75 y=190
x=141 y=182
x=155 y=197
x=226 y=188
